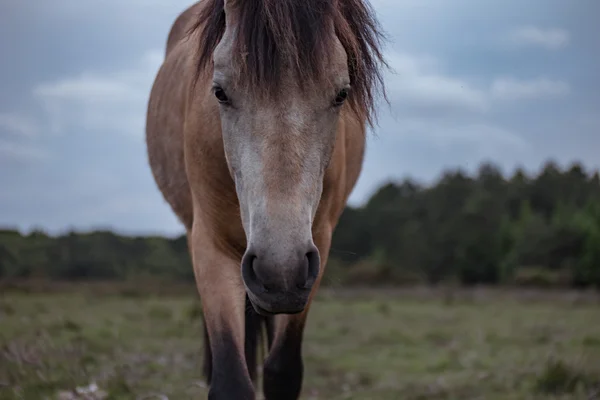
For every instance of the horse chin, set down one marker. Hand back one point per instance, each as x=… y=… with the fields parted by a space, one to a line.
x=261 y=311
x=269 y=312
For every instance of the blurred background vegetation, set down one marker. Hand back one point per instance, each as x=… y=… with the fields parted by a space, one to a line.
x=541 y=230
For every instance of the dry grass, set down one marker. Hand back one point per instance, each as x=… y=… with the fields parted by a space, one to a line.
x=360 y=344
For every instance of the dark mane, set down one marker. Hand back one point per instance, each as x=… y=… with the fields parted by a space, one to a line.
x=277 y=33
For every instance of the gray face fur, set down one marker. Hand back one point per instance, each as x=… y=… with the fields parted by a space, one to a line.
x=278 y=147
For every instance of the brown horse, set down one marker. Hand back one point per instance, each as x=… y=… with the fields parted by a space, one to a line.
x=256 y=132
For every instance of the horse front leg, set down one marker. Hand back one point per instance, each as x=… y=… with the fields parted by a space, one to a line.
x=283 y=370
x=223 y=302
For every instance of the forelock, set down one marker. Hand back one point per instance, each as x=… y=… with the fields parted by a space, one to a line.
x=274 y=37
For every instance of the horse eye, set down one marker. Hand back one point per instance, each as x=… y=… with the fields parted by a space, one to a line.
x=221 y=96
x=341 y=97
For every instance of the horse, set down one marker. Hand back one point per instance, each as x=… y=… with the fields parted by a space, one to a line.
x=255 y=132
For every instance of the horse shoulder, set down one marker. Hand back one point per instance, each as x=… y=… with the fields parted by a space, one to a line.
x=164 y=132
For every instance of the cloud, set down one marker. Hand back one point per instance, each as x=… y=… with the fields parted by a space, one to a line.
x=488 y=139
x=449 y=115
x=514 y=89
x=482 y=137
x=550 y=39
x=418 y=85
x=94 y=101
x=18 y=125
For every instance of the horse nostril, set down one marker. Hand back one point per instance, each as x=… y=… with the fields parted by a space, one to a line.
x=250 y=266
x=313 y=260
x=265 y=287
x=302 y=278
x=249 y=273
x=252 y=276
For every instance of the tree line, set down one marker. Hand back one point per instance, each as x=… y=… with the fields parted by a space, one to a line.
x=484 y=228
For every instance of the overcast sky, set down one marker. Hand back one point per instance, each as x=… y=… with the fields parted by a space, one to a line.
x=514 y=82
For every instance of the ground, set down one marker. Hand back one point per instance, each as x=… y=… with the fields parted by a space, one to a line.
x=360 y=344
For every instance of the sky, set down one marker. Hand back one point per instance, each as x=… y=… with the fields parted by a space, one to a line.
x=511 y=82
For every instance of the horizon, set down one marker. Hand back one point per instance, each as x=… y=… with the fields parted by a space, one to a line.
x=590 y=173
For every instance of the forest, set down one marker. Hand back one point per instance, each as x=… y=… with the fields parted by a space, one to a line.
x=484 y=228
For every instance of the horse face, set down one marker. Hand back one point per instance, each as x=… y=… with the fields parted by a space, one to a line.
x=278 y=146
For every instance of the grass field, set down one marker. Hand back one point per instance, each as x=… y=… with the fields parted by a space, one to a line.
x=363 y=344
